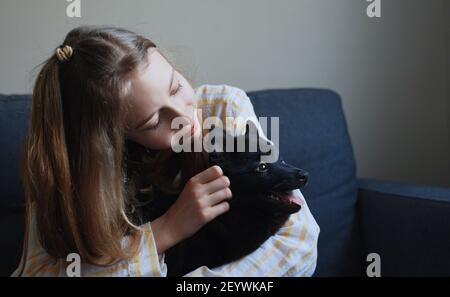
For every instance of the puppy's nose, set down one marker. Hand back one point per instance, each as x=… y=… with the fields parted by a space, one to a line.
x=302 y=176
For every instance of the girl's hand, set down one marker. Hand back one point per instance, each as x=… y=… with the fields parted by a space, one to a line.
x=201 y=200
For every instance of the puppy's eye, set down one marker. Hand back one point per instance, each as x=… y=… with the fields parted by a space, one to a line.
x=262 y=167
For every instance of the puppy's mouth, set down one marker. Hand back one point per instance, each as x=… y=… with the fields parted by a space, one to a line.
x=286 y=199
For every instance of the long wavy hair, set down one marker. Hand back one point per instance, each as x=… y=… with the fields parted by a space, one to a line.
x=83 y=179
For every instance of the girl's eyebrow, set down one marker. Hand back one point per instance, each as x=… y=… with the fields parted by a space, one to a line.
x=150 y=116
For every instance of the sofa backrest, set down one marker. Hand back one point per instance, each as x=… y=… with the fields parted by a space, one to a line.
x=14 y=113
x=314 y=137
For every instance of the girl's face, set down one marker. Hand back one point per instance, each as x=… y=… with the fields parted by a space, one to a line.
x=159 y=94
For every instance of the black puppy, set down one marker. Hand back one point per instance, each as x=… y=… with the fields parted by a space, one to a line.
x=262 y=202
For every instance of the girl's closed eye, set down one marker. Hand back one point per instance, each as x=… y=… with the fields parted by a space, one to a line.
x=180 y=86
x=156 y=125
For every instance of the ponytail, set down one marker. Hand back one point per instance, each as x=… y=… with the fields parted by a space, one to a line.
x=45 y=163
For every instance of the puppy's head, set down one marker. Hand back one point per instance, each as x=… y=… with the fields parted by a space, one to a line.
x=254 y=182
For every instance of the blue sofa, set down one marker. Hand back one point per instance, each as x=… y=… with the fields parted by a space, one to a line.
x=407 y=225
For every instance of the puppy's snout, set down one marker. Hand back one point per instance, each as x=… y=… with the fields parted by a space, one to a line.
x=302 y=176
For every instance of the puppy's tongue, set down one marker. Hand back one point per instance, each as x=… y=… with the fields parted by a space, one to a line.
x=290 y=197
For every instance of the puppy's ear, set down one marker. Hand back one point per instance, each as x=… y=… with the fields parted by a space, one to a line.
x=250 y=128
x=251 y=136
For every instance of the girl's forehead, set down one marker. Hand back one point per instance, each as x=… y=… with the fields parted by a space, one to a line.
x=154 y=70
x=149 y=86
x=153 y=80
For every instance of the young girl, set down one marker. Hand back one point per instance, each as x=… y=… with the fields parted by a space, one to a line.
x=99 y=143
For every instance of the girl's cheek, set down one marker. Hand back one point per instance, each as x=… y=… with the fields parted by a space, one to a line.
x=164 y=138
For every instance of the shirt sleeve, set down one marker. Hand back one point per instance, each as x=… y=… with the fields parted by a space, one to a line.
x=36 y=261
x=292 y=251
x=146 y=262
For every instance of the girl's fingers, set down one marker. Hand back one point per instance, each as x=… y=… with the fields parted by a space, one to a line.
x=208 y=175
x=219 y=196
x=217 y=184
x=218 y=209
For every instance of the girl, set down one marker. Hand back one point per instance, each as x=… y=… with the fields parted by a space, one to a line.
x=99 y=143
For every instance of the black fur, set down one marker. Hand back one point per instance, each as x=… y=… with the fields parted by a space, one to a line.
x=253 y=216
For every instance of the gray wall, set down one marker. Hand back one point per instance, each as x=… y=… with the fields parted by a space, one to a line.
x=392 y=73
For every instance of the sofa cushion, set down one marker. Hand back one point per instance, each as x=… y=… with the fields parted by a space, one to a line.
x=314 y=137
x=407 y=225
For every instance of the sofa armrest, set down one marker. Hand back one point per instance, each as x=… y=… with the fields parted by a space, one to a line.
x=407 y=225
